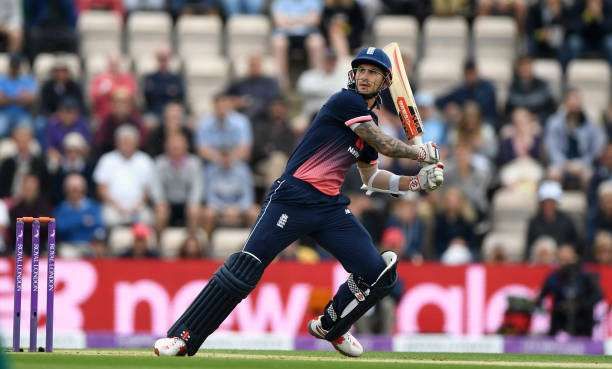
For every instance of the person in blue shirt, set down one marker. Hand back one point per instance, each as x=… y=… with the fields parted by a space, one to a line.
x=78 y=218
x=474 y=88
x=17 y=96
x=306 y=201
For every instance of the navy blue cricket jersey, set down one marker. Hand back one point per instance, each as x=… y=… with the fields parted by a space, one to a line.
x=329 y=146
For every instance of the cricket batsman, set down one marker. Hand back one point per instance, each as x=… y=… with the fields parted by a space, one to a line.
x=306 y=200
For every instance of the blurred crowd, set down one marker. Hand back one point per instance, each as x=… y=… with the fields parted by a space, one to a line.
x=122 y=151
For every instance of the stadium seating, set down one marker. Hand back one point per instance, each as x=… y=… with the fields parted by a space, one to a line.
x=499 y=71
x=446 y=37
x=550 y=71
x=148 y=63
x=401 y=29
x=199 y=35
x=512 y=243
x=226 y=241
x=100 y=32
x=438 y=75
x=495 y=37
x=45 y=62
x=247 y=34
x=592 y=78
x=172 y=238
x=205 y=77
x=147 y=32
x=120 y=240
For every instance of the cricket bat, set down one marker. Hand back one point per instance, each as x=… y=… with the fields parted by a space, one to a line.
x=401 y=92
x=406 y=107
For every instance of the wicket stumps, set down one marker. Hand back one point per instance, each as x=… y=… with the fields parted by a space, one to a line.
x=34 y=285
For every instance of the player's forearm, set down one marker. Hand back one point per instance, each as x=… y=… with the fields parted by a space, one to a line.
x=386 y=144
x=384 y=180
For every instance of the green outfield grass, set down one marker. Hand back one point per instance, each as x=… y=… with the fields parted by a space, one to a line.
x=222 y=359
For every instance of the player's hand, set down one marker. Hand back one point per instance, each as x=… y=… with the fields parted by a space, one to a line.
x=428 y=153
x=431 y=177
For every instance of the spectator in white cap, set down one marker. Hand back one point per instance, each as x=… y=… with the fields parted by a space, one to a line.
x=549 y=219
x=74 y=160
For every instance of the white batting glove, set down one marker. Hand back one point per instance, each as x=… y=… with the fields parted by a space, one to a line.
x=428 y=153
x=429 y=178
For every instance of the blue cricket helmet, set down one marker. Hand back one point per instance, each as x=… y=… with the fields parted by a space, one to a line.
x=373 y=55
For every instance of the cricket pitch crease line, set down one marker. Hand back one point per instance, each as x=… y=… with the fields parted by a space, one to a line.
x=219 y=355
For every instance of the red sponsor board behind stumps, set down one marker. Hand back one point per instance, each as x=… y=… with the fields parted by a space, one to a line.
x=128 y=296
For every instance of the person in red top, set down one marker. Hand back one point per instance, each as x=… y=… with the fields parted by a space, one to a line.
x=104 y=84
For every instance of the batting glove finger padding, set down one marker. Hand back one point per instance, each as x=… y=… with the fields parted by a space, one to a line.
x=431 y=177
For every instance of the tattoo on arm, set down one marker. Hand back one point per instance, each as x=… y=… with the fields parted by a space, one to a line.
x=384 y=143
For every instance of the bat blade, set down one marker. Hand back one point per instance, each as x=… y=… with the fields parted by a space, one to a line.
x=401 y=92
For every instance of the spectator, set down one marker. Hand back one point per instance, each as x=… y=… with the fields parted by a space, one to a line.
x=520 y=140
x=125 y=177
x=296 y=24
x=179 y=193
x=134 y=5
x=173 y=122
x=123 y=112
x=515 y=8
x=226 y=130
x=104 y=84
x=142 y=247
x=573 y=142
x=473 y=88
x=4 y=227
x=574 y=295
x=98 y=245
x=603 y=248
x=11 y=26
x=29 y=202
x=545 y=28
x=25 y=161
x=434 y=128
x=549 y=219
x=472 y=132
x=67 y=119
x=111 y=5
x=60 y=86
x=233 y=7
x=75 y=160
x=589 y=30
x=455 y=219
x=343 y=23
x=253 y=94
x=78 y=217
x=457 y=253
x=471 y=173
x=50 y=26
x=602 y=218
x=275 y=141
x=602 y=172
x=529 y=92
x=316 y=85
x=192 y=248
x=544 y=251
x=185 y=7
x=17 y=96
x=404 y=217
x=230 y=199
x=163 y=85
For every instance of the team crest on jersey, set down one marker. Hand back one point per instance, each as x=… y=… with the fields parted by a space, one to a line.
x=282 y=221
